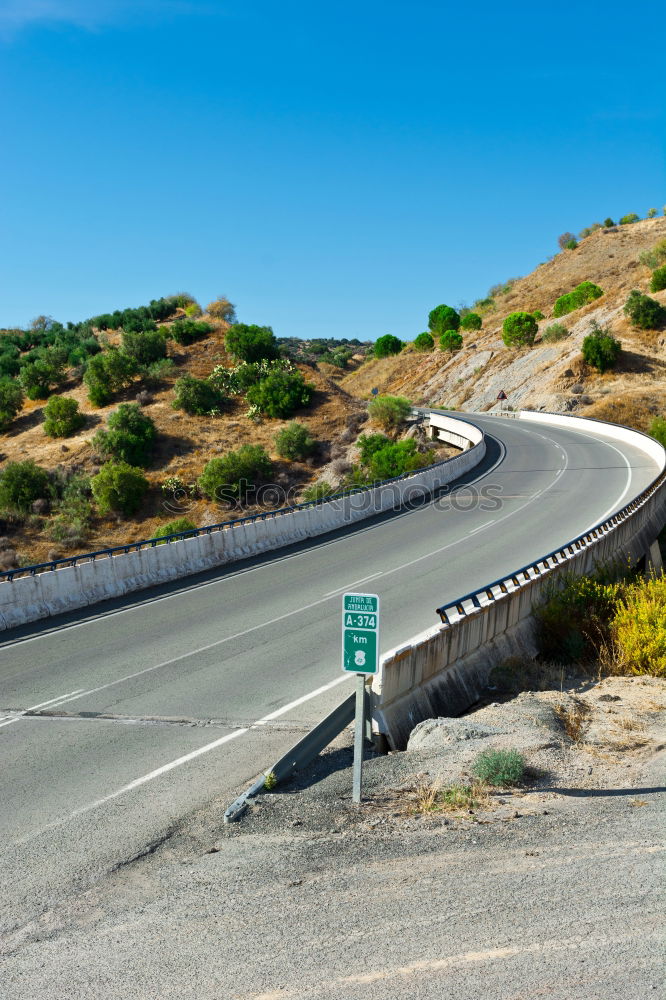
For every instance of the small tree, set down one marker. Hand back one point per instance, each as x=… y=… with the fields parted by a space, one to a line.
x=644 y=312
x=251 y=343
x=608 y=223
x=280 y=394
x=39 y=376
x=519 y=329
x=451 y=340
x=601 y=350
x=471 y=321
x=197 y=396
x=107 y=374
x=424 y=342
x=11 y=401
x=145 y=347
x=222 y=308
x=186 y=331
x=658 y=282
x=652 y=213
x=443 y=318
x=628 y=220
x=232 y=477
x=389 y=411
x=565 y=239
x=62 y=417
x=21 y=483
x=119 y=487
x=387 y=345
x=294 y=442
x=130 y=436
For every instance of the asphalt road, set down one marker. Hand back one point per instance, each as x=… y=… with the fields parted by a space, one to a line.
x=147 y=707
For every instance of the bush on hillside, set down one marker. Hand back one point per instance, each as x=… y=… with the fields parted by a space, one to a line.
x=538 y=315
x=41 y=375
x=586 y=292
x=519 y=329
x=471 y=321
x=387 y=345
x=119 y=487
x=395 y=458
x=389 y=411
x=145 y=347
x=222 y=308
x=588 y=230
x=573 y=622
x=74 y=512
x=658 y=281
x=424 y=342
x=651 y=213
x=658 y=430
x=21 y=483
x=62 y=417
x=608 y=223
x=233 y=476
x=601 y=350
x=280 y=394
x=317 y=491
x=197 y=396
x=638 y=627
x=554 y=332
x=451 y=340
x=107 y=374
x=628 y=220
x=130 y=436
x=294 y=442
x=443 y=318
x=654 y=257
x=565 y=239
x=251 y=343
x=368 y=444
x=186 y=331
x=9 y=359
x=644 y=312
x=11 y=401
x=176 y=527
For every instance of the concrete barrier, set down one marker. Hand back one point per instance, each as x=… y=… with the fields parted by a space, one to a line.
x=28 y=598
x=445 y=669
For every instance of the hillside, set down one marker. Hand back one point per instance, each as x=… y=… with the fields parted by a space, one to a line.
x=543 y=377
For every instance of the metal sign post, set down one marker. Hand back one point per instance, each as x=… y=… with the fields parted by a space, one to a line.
x=360 y=655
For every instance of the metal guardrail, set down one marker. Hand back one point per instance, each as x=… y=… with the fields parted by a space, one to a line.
x=486 y=595
x=11 y=574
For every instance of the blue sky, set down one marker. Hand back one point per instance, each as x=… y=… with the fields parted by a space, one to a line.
x=336 y=169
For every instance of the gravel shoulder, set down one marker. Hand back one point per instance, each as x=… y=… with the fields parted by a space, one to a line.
x=550 y=890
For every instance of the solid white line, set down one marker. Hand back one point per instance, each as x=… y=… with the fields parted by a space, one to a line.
x=300 y=701
x=43 y=704
x=616 y=505
x=481 y=527
x=354 y=583
x=136 y=783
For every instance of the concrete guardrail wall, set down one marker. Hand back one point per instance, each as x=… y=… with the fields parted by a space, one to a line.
x=444 y=670
x=28 y=598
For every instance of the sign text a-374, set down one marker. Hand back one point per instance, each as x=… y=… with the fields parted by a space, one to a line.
x=360 y=633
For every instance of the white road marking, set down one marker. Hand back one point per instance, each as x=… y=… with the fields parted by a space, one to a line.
x=481 y=527
x=52 y=702
x=354 y=583
x=300 y=701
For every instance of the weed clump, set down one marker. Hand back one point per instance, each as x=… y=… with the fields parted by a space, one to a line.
x=500 y=768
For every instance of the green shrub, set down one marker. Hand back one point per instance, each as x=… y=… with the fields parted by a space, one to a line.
x=294 y=442
x=608 y=223
x=658 y=430
x=234 y=475
x=565 y=239
x=71 y=525
x=658 y=282
x=197 y=397
x=638 y=627
x=62 y=417
x=519 y=329
x=644 y=312
x=280 y=394
x=145 y=347
x=588 y=230
x=130 y=436
x=11 y=401
x=119 y=487
x=655 y=257
x=107 y=374
x=176 y=527
x=451 y=340
x=222 y=308
x=251 y=343
x=500 y=768
x=40 y=375
x=443 y=318
x=586 y=292
x=9 y=360
x=394 y=459
x=471 y=321
x=389 y=411
x=317 y=491
x=368 y=444
x=601 y=350
x=387 y=345
x=538 y=315
x=186 y=331
x=571 y=245
x=21 y=483
x=627 y=220
x=572 y=624
x=651 y=213
x=155 y=373
x=424 y=342
x=554 y=332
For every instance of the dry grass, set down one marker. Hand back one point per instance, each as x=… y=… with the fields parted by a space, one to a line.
x=433 y=797
x=574 y=719
x=629 y=723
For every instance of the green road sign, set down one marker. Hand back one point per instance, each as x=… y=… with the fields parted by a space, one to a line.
x=360 y=633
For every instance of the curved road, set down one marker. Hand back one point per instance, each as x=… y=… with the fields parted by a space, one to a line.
x=140 y=710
